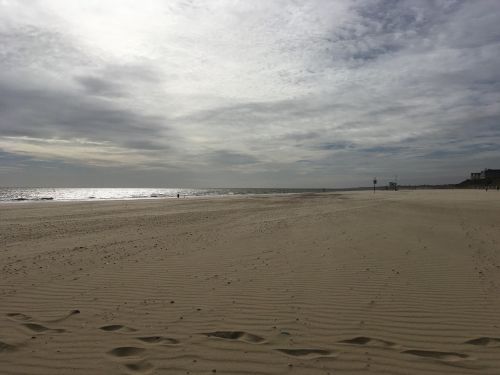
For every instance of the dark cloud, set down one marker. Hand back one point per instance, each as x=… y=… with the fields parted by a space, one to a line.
x=383 y=149
x=260 y=113
x=50 y=114
x=301 y=136
x=146 y=145
x=225 y=157
x=336 y=146
x=100 y=87
x=7 y=158
x=115 y=80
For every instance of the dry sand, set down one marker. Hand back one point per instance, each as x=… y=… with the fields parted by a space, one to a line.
x=401 y=282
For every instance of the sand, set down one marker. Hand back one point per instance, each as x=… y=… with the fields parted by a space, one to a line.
x=401 y=282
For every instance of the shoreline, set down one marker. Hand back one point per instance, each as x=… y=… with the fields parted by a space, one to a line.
x=184 y=195
x=220 y=196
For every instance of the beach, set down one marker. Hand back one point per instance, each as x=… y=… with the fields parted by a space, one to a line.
x=404 y=282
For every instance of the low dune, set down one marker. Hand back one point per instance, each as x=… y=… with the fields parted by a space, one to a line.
x=403 y=282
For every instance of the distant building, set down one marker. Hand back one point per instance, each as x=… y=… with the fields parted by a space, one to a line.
x=485 y=176
x=474 y=176
x=490 y=173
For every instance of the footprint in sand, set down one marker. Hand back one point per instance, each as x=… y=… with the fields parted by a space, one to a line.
x=485 y=341
x=71 y=313
x=236 y=336
x=441 y=356
x=132 y=358
x=117 y=328
x=158 y=340
x=38 y=328
x=5 y=348
x=369 y=341
x=20 y=317
x=307 y=353
x=142 y=367
x=126 y=351
x=27 y=322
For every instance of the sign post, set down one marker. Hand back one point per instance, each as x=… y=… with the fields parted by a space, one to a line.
x=374 y=184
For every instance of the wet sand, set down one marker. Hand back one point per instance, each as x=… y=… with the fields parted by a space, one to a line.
x=401 y=282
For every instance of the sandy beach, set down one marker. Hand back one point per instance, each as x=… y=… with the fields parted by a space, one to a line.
x=401 y=282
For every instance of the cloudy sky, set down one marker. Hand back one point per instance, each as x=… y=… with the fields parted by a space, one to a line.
x=271 y=93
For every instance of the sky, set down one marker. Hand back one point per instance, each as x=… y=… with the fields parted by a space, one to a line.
x=262 y=93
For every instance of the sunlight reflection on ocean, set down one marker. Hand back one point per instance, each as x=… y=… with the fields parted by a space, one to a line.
x=84 y=194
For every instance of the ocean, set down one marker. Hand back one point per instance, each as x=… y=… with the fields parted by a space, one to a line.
x=15 y=194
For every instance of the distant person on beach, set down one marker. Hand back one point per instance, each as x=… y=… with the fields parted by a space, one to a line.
x=178 y=195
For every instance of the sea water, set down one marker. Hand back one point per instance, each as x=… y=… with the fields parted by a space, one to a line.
x=17 y=194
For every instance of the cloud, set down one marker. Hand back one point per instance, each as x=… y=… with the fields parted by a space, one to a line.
x=280 y=93
x=68 y=126
x=225 y=157
x=100 y=87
